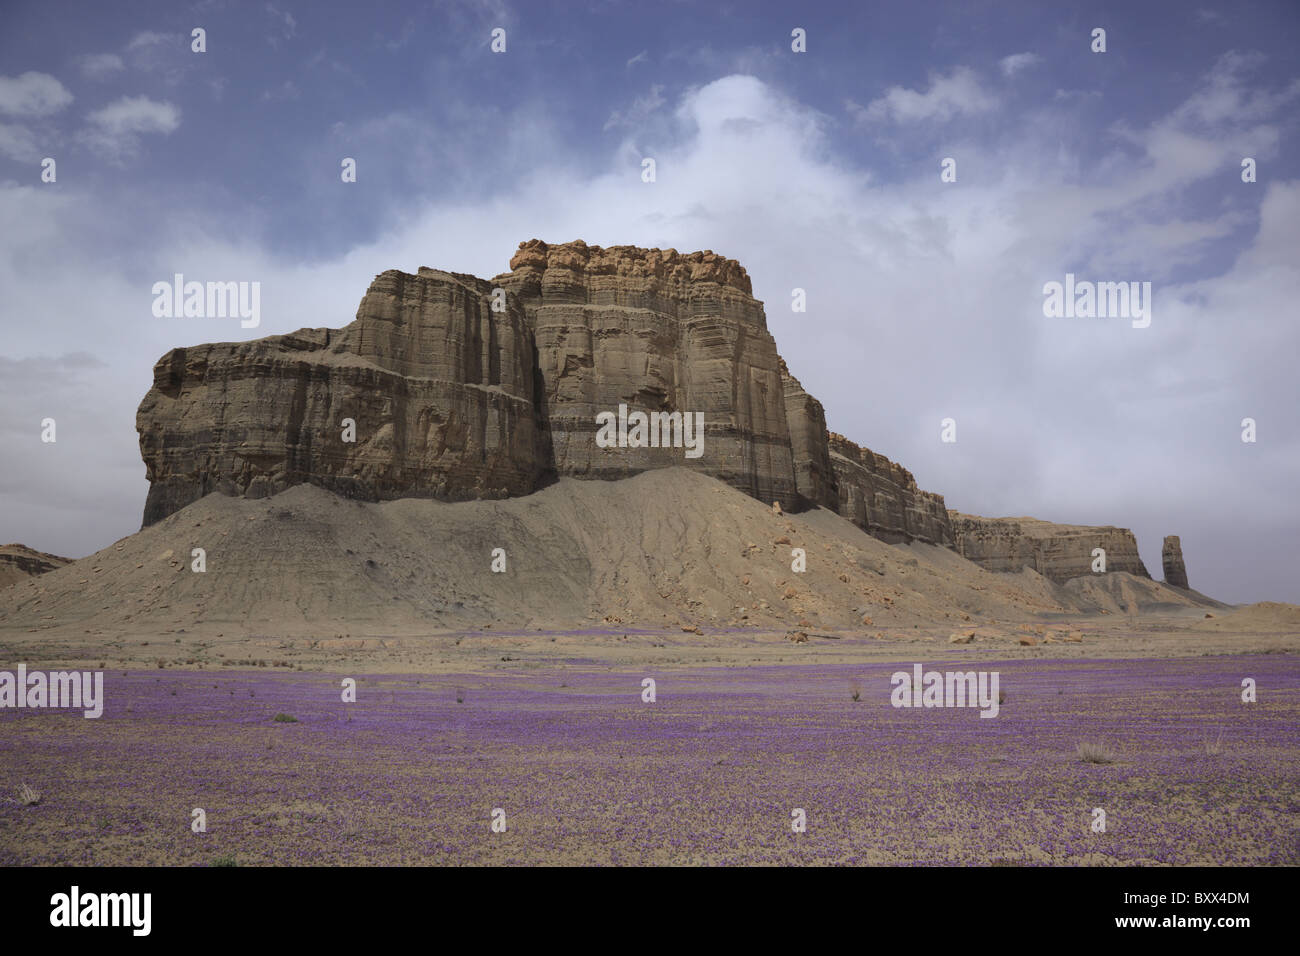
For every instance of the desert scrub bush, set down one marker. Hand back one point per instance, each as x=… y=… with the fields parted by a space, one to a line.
x=228 y=860
x=1095 y=753
x=27 y=796
x=855 y=690
x=284 y=719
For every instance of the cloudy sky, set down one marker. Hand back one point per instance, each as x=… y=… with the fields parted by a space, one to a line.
x=817 y=170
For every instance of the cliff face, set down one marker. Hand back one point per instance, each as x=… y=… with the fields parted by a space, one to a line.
x=20 y=563
x=881 y=497
x=1171 y=557
x=439 y=386
x=458 y=388
x=814 y=474
x=1058 y=552
x=656 y=331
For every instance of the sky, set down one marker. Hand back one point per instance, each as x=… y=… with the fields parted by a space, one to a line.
x=820 y=169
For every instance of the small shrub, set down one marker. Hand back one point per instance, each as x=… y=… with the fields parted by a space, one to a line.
x=27 y=796
x=284 y=719
x=1095 y=753
x=1216 y=748
x=855 y=691
x=226 y=861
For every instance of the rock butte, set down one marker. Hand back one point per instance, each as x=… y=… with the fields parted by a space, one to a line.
x=1171 y=557
x=456 y=401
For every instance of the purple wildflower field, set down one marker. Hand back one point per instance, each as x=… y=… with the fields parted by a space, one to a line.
x=589 y=774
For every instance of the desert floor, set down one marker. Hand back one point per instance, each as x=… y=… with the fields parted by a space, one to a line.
x=551 y=728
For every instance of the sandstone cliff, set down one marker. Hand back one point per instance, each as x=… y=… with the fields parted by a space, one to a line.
x=460 y=388
x=881 y=497
x=439 y=386
x=814 y=474
x=21 y=563
x=658 y=331
x=1058 y=552
x=1171 y=557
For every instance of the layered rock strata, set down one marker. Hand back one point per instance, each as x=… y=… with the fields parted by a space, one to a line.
x=438 y=386
x=881 y=497
x=1059 y=552
x=453 y=387
x=656 y=331
x=814 y=474
x=19 y=563
x=1171 y=557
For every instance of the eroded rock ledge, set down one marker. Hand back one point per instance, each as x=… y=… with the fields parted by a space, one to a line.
x=1059 y=552
x=21 y=563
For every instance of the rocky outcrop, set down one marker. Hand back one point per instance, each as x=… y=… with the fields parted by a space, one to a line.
x=438 y=385
x=1171 y=557
x=881 y=497
x=657 y=331
x=1058 y=552
x=814 y=474
x=454 y=387
x=20 y=563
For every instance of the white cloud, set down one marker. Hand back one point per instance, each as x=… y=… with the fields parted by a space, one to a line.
x=114 y=131
x=639 y=111
x=32 y=94
x=929 y=297
x=1016 y=62
x=18 y=143
x=288 y=90
x=100 y=66
x=957 y=94
x=150 y=38
x=1226 y=96
x=641 y=57
x=166 y=55
x=285 y=21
